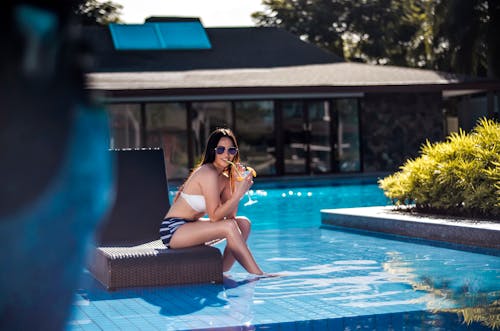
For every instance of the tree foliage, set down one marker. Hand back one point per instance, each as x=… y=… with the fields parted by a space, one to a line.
x=320 y=22
x=450 y=35
x=385 y=30
x=93 y=12
x=468 y=29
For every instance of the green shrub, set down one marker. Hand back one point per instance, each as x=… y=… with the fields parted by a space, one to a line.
x=460 y=176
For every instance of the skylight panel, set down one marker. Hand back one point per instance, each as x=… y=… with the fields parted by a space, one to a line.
x=184 y=35
x=159 y=35
x=135 y=37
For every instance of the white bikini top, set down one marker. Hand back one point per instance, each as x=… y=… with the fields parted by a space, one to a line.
x=197 y=202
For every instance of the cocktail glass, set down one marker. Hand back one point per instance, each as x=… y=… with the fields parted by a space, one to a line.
x=241 y=176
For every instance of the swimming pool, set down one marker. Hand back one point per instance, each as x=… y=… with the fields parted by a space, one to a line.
x=335 y=280
x=281 y=206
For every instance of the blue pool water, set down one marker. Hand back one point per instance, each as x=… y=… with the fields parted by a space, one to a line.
x=334 y=280
x=299 y=206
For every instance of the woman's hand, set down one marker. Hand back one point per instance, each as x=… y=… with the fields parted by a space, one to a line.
x=241 y=187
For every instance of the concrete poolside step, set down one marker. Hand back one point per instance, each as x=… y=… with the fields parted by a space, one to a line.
x=389 y=220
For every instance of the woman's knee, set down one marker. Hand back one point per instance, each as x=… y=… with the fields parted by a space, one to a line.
x=243 y=219
x=244 y=224
x=230 y=227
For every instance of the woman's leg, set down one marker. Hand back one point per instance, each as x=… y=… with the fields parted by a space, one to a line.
x=197 y=233
x=228 y=257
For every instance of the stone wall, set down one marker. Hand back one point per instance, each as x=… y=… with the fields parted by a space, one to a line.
x=395 y=125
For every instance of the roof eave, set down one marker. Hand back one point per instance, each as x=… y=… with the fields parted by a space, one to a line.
x=267 y=91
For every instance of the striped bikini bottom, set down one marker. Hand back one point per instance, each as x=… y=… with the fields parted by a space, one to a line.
x=168 y=227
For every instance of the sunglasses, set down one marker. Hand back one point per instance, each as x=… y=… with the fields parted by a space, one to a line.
x=222 y=149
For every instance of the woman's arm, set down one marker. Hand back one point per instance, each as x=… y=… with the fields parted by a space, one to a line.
x=226 y=195
x=226 y=206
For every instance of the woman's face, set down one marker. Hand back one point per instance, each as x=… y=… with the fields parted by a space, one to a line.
x=220 y=159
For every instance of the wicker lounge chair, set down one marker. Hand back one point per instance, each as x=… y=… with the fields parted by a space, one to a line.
x=129 y=252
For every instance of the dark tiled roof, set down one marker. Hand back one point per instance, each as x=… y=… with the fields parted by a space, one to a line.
x=245 y=47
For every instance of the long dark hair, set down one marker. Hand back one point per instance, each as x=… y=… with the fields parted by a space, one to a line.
x=213 y=140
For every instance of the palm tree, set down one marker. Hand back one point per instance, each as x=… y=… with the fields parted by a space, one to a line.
x=465 y=40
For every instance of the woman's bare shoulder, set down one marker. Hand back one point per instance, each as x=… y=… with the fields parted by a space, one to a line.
x=205 y=171
x=200 y=176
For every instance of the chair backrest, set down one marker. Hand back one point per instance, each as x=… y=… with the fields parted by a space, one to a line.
x=141 y=199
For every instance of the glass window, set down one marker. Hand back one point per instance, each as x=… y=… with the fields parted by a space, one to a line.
x=125 y=122
x=166 y=127
x=348 y=135
x=256 y=141
x=294 y=142
x=206 y=117
x=320 y=149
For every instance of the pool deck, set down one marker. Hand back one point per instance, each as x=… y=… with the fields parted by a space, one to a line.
x=389 y=220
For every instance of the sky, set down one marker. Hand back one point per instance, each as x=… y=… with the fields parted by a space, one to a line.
x=213 y=13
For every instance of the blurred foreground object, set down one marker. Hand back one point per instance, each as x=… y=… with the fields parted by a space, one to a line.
x=56 y=171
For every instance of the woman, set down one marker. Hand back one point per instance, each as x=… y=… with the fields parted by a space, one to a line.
x=211 y=189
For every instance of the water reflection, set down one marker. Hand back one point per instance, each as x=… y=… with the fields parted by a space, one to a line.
x=401 y=276
x=454 y=286
x=349 y=282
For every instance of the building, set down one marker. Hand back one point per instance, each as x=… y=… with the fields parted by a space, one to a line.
x=296 y=109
